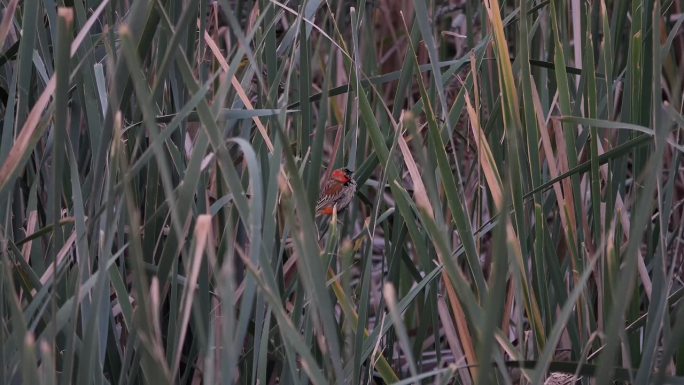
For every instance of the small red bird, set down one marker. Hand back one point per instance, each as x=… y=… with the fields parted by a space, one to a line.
x=338 y=191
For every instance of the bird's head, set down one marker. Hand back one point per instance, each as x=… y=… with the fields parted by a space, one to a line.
x=342 y=175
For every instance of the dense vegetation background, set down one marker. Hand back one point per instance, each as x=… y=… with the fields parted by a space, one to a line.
x=519 y=215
